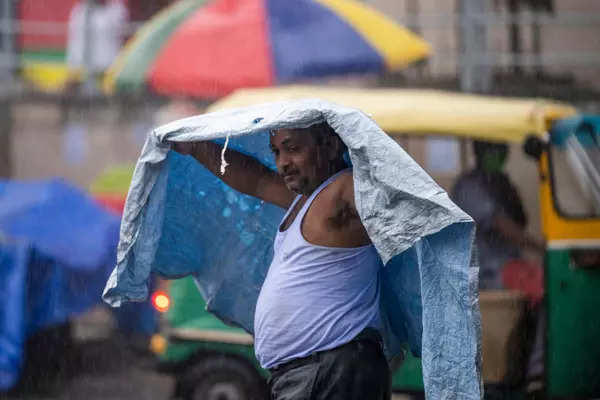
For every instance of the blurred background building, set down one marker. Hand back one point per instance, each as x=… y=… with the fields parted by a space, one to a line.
x=549 y=44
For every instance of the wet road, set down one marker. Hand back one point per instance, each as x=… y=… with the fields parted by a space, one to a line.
x=97 y=364
x=100 y=366
x=102 y=370
x=109 y=371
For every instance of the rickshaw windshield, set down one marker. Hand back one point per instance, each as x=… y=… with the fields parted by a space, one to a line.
x=575 y=161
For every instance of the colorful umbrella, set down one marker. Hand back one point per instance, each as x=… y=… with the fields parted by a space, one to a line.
x=210 y=48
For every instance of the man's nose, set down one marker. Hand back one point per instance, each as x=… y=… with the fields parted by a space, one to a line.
x=283 y=163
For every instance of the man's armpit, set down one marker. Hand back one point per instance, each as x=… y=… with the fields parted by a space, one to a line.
x=344 y=214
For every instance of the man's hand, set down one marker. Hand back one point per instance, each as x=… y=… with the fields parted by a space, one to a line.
x=185 y=148
x=517 y=235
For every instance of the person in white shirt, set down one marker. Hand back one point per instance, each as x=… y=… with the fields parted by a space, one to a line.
x=95 y=36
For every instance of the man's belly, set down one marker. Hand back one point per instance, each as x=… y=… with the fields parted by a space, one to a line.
x=294 y=319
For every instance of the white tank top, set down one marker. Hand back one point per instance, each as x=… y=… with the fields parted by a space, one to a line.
x=314 y=298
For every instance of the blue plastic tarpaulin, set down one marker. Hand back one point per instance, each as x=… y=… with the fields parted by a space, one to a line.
x=181 y=220
x=57 y=247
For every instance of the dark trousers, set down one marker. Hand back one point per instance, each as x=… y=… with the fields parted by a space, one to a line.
x=357 y=370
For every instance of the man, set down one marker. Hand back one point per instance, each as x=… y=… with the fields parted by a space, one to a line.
x=95 y=36
x=487 y=195
x=317 y=316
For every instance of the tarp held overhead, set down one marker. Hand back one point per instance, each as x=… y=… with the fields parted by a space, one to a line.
x=179 y=220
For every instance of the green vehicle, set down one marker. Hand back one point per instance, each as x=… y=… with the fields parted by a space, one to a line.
x=211 y=360
x=570 y=206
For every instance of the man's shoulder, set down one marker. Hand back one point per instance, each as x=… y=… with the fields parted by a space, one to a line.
x=345 y=178
x=341 y=189
x=342 y=183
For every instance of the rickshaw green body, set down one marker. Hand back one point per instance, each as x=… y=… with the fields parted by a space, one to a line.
x=188 y=311
x=573 y=348
x=572 y=285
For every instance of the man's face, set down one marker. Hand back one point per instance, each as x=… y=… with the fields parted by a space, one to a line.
x=493 y=160
x=302 y=163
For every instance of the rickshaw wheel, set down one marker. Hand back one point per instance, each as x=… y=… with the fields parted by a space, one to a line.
x=222 y=377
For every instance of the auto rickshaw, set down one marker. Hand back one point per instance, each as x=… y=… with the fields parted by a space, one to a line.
x=569 y=166
x=209 y=358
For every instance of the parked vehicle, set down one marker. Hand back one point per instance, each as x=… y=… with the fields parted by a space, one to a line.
x=569 y=165
x=57 y=248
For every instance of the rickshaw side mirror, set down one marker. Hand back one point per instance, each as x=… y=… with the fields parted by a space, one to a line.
x=534 y=147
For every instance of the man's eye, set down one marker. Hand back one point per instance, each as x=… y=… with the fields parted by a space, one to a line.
x=292 y=148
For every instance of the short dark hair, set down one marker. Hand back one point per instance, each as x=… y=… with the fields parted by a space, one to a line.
x=322 y=131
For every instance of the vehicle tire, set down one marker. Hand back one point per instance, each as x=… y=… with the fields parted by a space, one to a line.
x=222 y=377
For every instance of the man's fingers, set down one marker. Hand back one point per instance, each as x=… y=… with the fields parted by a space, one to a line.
x=183 y=147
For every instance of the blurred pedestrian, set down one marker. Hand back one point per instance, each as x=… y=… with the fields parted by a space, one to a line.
x=487 y=194
x=95 y=37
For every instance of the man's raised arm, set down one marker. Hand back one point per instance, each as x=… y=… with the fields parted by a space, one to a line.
x=243 y=173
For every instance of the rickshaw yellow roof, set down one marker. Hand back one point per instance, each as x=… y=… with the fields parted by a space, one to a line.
x=421 y=112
